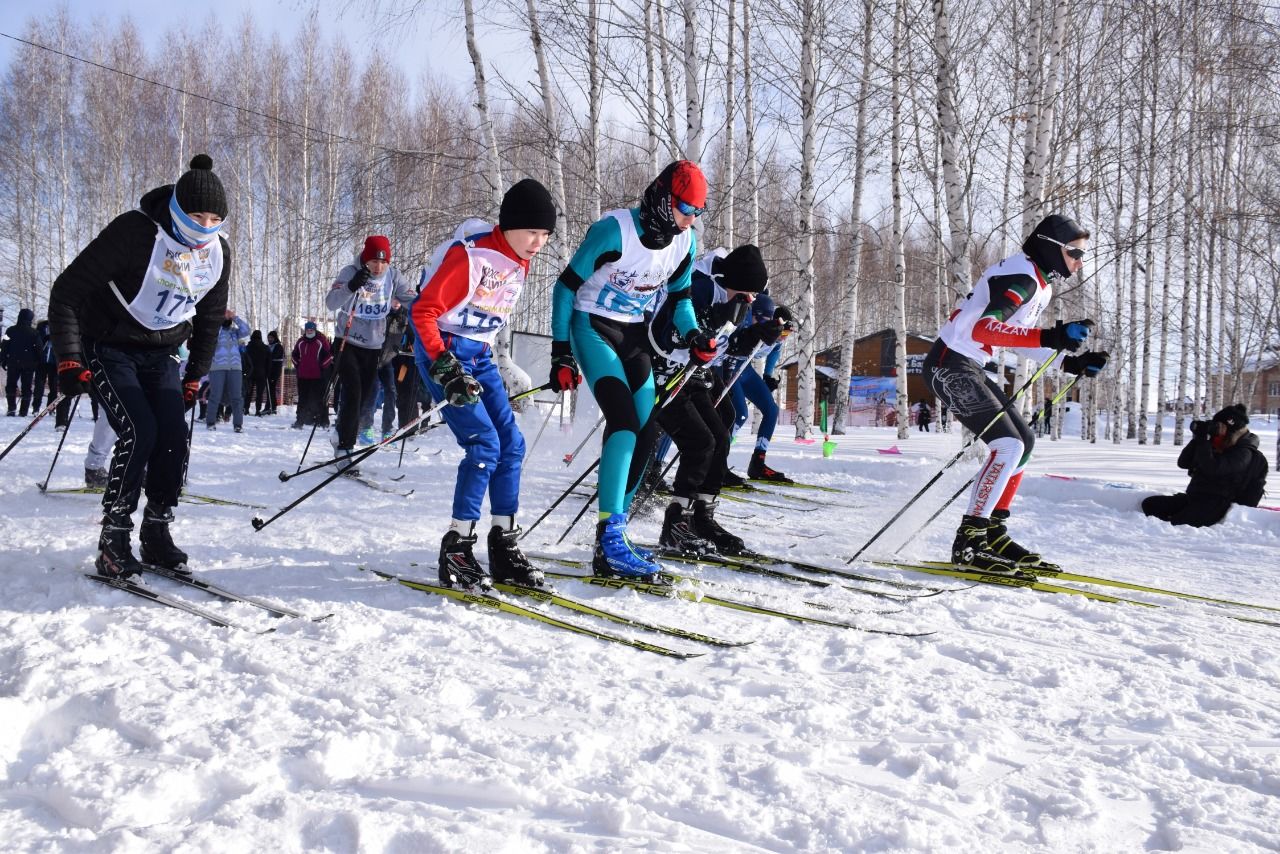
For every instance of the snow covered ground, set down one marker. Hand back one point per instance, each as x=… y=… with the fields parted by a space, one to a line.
x=409 y=723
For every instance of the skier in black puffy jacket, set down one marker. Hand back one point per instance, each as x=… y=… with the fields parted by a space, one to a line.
x=18 y=357
x=152 y=279
x=1226 y=468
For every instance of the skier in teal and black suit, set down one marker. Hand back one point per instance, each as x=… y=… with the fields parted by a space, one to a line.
x=597 y=321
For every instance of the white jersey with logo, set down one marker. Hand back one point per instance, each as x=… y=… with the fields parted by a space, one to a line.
x=493 y=291
x=177 y=278
x=625 y=289
x=957 y=333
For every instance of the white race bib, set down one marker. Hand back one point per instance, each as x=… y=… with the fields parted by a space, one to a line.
x=177 y=278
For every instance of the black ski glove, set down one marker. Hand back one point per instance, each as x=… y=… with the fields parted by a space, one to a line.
x=772 y=382
x=732 y=311
x=460 y=388
x=359 y=280
x=701 y=344
x=1066 y=336
x=564 y=369
x=73 y=378
x=1089 y=363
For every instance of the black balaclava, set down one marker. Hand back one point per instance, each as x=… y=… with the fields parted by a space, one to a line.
x=1045 y=253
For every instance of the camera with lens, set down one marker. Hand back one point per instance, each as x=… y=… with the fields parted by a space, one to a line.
x=1201 y=428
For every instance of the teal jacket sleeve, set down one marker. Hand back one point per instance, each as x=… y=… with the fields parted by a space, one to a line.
x=602 y=244
x=685 y=318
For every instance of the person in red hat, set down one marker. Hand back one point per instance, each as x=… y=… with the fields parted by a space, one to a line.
x=598 y=311
x=362 y=295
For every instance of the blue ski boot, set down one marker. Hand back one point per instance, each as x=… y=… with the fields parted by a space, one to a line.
x=614 y=555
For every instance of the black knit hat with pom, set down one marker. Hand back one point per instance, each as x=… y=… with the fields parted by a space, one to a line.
x=199 y=190
x=1234 y=416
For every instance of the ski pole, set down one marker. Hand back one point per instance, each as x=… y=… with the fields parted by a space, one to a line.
x=65 y=430
x=1055 y=400
x=401 y=435
x=562 y=497
x=912 y=500
x=355 y=459
x=529 y=452
x=586 y=506
x=333 y=377
x=34 y=421
x=572 y=455
x=737 y=375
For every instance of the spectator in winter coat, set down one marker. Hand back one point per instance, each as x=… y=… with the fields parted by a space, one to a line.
x=312 y=359
x=275 y=369
x=259 y=355
x=1226 y=468
x=225 y=377
x=19 y=354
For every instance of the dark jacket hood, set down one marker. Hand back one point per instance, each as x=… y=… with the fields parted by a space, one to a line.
x=155 y=204
x=25 y=317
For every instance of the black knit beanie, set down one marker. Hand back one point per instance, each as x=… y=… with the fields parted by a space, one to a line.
x=1047 y=253
x=199 y=190
x=743 y=270
x=527 y=205
x=1234 y=416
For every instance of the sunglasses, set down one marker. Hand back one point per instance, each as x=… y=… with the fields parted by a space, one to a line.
x=686 y=208
x=1075 y=252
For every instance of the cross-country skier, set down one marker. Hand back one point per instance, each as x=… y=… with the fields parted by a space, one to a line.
x=467 y=300
x=366 y=287
x=724 y=283
x=597 y=320
x=152 y=279
x=772 y=323
x=1003 y=310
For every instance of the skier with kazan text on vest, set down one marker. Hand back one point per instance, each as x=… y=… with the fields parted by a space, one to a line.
x=154 y=278
x=1003 y=310
x=467 y=300
x=366 y=287
x=597 y=320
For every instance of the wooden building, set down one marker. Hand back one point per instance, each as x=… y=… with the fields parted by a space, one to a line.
x=873 y=356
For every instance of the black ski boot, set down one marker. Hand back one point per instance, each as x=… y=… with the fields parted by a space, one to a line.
x=115 y=555
x=156 y=545
x=732 y=480
x=757 y=470
x=458 y=566
x=972 y=549
x=678 y=534
x=95 y=478
x=508 y=564
x=1001 y=543
x=706 y=526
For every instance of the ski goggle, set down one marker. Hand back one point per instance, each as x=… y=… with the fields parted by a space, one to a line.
x=686 y=208
x=1075 y=252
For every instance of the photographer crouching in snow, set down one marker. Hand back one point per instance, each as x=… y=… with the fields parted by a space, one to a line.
x=1226 y=468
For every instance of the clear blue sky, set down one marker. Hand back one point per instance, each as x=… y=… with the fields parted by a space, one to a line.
x=436 y=33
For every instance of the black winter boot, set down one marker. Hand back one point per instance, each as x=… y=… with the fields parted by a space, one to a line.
x=706 y=526
x=757 y=470
x=507 y=563
x=156 y=545
x=678 y=534
x=972 y=550
x=115 y=555
x=458 y=565
x=1000 y=542
x=95 y=478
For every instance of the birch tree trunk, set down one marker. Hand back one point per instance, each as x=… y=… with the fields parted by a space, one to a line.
x=958 y=266
x=692 y=95
x=553 y=133
x=651 y=86
x=668 y=90
x=805 y=239
x=853 y=274
x=730 y=88
x=513 y=376
x=899 y=242
x=594 y=90
x=749 y=126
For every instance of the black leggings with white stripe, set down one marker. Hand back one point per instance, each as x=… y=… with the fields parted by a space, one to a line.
x=142 y=398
